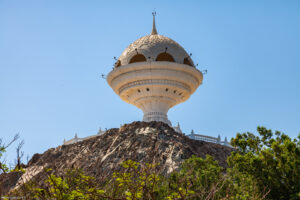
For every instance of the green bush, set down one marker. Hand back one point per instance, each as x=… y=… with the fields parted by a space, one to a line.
x=198 y=179
x=272 y=160
x=261 y=167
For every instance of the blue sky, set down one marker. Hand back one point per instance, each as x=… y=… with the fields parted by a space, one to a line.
x=52 y=55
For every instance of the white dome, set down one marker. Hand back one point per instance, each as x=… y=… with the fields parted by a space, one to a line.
x=151 y=46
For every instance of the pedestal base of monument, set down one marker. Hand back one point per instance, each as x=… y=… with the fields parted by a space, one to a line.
x=156 y=116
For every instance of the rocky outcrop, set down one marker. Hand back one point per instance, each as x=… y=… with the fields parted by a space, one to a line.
x=145 y=142
x=8 y=181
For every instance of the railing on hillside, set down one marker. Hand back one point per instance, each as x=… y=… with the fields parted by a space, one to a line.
x=210 y=139
x=205 y=138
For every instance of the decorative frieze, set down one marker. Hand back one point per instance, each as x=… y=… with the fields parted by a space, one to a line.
x=155 y=82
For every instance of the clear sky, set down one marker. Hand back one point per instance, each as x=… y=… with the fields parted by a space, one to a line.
x=52 y=55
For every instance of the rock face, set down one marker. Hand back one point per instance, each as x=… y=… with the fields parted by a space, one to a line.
x=145 y=142
x=8 y=181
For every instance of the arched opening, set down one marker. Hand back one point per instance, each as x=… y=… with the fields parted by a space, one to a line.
x=165 y=57
x=187 y=61
x=137 y=58
x=118 y=63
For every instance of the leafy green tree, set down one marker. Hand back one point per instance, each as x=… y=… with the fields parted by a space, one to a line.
x=72 y=185
x=271 y=159
x=138 y=182
x=197 y=178
x=204 y=179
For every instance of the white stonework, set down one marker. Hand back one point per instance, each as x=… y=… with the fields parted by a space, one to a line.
x=154 y=73
x=101 y=132
x=155 y=87
x=205 y=138
x=77 y=139
x=210 y=139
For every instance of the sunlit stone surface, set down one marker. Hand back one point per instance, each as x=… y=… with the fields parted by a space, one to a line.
x=154 y=73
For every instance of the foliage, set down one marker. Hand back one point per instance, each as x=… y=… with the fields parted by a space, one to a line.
x=272 y=160
x=205 y=179
x=70 y=186
x=138 y=181
x=260 y=167
x=3 y=147
x=3 y=166
x=198 y=179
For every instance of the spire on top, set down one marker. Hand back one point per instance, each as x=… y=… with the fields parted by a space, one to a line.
x=154 y=31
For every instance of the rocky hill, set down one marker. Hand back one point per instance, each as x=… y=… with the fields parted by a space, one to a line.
x=143 y=142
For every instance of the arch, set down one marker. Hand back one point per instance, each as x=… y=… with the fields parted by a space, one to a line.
x=187 y=61
x=165 y=57
x=138 y=58
x=118 y=63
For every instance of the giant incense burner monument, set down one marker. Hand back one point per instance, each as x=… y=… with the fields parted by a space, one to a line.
x=154 y=73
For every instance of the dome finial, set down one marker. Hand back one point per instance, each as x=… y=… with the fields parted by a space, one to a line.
x=154 y=31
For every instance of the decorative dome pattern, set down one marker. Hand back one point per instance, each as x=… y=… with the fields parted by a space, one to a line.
x=151 y=46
